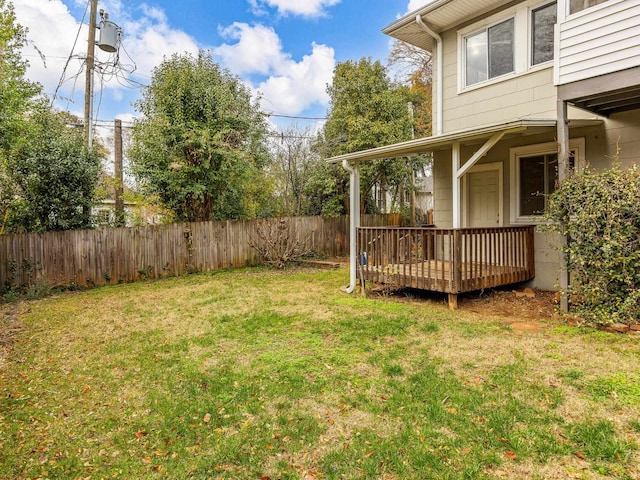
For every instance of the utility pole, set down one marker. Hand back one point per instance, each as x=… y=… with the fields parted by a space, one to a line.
x=88 y=85
x=117 y=173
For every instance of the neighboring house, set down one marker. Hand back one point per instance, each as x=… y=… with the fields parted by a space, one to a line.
x=135 y=215
x=423 y=188
x=524 y=92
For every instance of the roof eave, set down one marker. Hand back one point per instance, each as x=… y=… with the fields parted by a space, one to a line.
x=411 y=17
x=430 y=144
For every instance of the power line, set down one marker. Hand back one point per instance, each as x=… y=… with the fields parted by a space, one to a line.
x=64 y=70
x=295 y=117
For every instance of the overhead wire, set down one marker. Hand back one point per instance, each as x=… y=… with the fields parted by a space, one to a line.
x=75 y=42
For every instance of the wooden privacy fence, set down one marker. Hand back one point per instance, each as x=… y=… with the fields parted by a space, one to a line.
x=102 y=256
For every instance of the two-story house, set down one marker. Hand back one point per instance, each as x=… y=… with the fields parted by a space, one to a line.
x=525 y=91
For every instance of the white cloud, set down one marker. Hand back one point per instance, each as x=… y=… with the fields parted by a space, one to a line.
x=254 y=52
x=305 y=8
x=416 y=4
x=258 y=49
x=53 y=29
x=300 y=85
x=291 y=86
x=48 y=20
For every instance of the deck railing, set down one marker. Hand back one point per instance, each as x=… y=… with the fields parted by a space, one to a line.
x=447 y=260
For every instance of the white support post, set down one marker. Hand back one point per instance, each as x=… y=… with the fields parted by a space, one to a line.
x=456 y=194
x=354 y=221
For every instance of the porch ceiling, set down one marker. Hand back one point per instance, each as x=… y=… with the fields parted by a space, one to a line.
x=605 y=94
x=439 y=15
x=465 y=137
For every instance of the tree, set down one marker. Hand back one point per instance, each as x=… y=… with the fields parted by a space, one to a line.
x=410 y=62
x=53 y=174
x=414 y=67
x=368 y=110
x=292 y=166
x=16 y=92
x=201 y=144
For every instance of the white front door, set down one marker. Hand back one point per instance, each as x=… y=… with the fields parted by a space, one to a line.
x=484 y=192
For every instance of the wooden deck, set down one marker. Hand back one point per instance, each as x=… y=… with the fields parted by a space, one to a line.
x=451 y=261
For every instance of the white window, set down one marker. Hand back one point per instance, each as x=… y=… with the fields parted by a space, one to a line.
x=513 y=42
x=534 y=177
x=489 y=52
x=579 y=5
x=543 y=20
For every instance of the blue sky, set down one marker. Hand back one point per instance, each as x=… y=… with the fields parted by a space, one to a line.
x=284 y=49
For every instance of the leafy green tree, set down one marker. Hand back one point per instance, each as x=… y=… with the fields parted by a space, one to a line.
x=16 y=92
x=367 y=110
x=200 y=146
x=53 y=174
x=16 y=98
x=47 y=176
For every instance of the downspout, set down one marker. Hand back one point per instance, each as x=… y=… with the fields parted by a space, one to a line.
x=439 y=73
x=354 y=222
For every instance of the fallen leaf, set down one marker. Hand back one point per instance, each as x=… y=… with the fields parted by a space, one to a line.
x=510 y=455
x=579 y=455
x=86 y=389
x=368 y=454
x=207 y=418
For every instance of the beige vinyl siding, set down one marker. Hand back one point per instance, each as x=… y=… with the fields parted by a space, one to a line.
x=598 y=41
x=527 y=95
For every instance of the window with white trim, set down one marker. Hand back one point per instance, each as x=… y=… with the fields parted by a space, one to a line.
x=543 y=20
x=579 y=5
x=489 y=53
x=534 y=174
x=507 y=44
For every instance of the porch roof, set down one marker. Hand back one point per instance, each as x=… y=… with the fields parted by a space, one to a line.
x=444 y=141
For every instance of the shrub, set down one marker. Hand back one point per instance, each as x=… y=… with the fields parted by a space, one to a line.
x=600 y=213
x=277 y=243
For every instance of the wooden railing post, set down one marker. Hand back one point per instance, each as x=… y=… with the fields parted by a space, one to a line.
x=456 y=270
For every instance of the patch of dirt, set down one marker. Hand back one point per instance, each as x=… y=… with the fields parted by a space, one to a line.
x=512 y=303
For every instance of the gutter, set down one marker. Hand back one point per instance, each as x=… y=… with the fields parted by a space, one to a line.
x=354 y=222
x=439 y=66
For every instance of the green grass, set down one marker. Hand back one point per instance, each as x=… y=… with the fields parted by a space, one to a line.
x=255 y=373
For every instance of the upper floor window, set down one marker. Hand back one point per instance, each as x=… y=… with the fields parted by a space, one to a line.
x=489 y=52
x=579 y=5
x=543 y=20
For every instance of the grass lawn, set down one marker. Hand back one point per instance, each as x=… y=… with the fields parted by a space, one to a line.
x=256 y=374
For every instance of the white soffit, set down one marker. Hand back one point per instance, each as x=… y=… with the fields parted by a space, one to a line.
x=440 y=15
